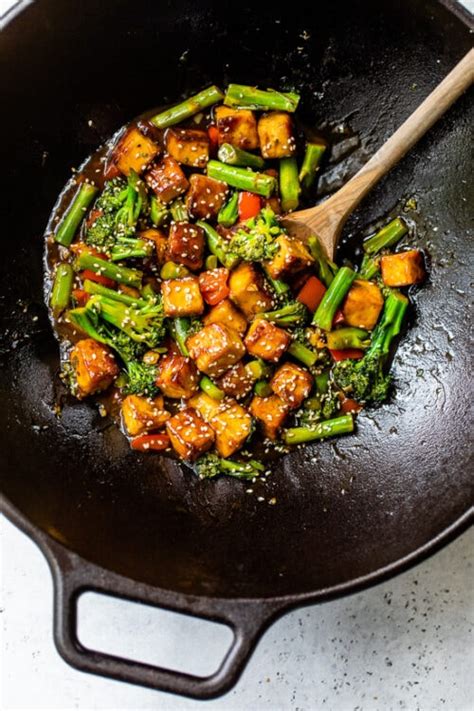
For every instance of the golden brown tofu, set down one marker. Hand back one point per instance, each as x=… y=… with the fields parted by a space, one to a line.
x=182 y=297
x=177 y=376
x=226 y=313
x=186 y=244
x=363 y=304
x=292 y=257
x=166 y=179
x=236 y=381
x=188 y=146
x=271 y=412
x=205 y=405
x=232 y=425
x=292 y=383
x=236 y=126
x=160 y=241
x=266 y=341
x=205 y=197
x=94 y=367
x=276 y=135
x=134 y=151
x=189 y=434
x=403 y=268
x=215 y=348
x=142 y=414
x=247 y=292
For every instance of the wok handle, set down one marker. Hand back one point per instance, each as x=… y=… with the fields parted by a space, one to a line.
x=247 y=620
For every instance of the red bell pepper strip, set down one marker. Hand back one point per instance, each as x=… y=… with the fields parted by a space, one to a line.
x=213 y=285
x=150 y=443
x=213 y=134
x=348 y=405
x=80 y=296
x=98 y=278
x=352 y=353
x=249 y=205
x=311 y=293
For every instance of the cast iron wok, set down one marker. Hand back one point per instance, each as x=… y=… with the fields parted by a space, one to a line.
x=347 y=513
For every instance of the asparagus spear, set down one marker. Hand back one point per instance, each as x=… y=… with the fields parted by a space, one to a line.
x=211 y=388
x=74 y=214
x=289 y=184
x=62 y=287
x=348 y=338
x=241 y=178
x=218 y=246
x=236 y=156
x=178 y=210
x=252 y=98
x=310 y=166
x=386 y=237
x=124 y=275
x=339 y=287
x=188 y=108
x=303 y=354
x=327 y=428
x=229 y=213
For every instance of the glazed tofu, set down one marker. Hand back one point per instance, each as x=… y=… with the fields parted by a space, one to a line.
x=189 y=434
x=236 y=382
x=232 y=425
x=267 y=341
x=247 y=292
x=292 y=384
x=134 y=151
x=182 y=297
x=94 y=367
x=142 y=414
x=226 y=313
x=215 y=348
x=363 y=304
x=205 y=197
x=276 y=135
x=186 y=245
x=166 y=179
x=160 y=241
x=403 y=268
x=292 y=257
x=188 y=146
x=271 y=412
x=205 y=405
x=236 y=126
x=177 y=376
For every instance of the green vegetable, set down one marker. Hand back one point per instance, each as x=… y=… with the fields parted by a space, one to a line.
x=255 y=242
x=171 y=270
x=369 y=268
x=93 y=288
x=303 y=354
x=131 y=248
x=289 y=184
x=124 y=275
x=211 y=388
x=218 y=246
x=336 y=292
x=257 y=369
x=321 y=382
x=291 y=314
x=159 y=213
x=178 y=210
x=62 y=288
x=229 y=213
x=75 y=213
x=188 y=108
x=387 y=237
x=211 y=262
x=348 y=338
x=262 y=388
x=252 y=98
x=211 y=465
x=325 y=267
x=181 y=328
x=312 y=159
x=235 y=156
x=280 y=287
x=143 y=324
x=328 y=428
x=141 y=379
x=242 y=178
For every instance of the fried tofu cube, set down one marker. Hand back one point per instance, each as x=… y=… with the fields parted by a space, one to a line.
x=276 y=135
x=247 y=292
x=160 y=241
x=205 y=405
x=292 y=257
x=215 y=348
x=166 y=179
x=292 y=383
x=142 y=414
x=403 y=268
x=363 y=304
x=182 y=297
x=188 y=146
x=271 y=412
x=232 y=425
x=236 y=381
x=226 y=313
x=134 y=151
x=267 y=341
x=236 y=126
x=177 y=376
x=186 y=244
x=94 y=367
x=205 y=197
x=189 y=434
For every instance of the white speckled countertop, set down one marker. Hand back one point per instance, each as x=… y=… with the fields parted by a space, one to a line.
x=405 y=644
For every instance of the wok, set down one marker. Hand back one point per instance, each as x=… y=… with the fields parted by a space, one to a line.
x=347 y=513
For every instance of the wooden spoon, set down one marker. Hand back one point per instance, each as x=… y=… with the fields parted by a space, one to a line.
x=327 y=219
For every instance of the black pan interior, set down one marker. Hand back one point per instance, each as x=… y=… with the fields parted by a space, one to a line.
x=342 y=509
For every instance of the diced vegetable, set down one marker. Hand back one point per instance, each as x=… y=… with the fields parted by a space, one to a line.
x=328 y=428
x=211 y=388
x=171 y=270
x=346 y=354
x=101 y=267
x=387 y=237
x=311 y=293
x=249 y=206
x=188 y=107
x=218 y=246
x=348 y=338
x=303 y=354
x=333 y=297
x=88 y=275
x=229 y=213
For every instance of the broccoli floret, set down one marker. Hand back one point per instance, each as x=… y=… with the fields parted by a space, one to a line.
x=141 y=379
x=211 y=465
x=256 y=243
x=291 y=314
x=143 y=324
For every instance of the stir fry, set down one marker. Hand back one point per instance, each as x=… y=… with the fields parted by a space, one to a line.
x=176 y=290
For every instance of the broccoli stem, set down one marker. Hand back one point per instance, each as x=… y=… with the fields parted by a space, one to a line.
x=279 y=286
x=236 y=156
x=178 y=211
x=369 y=268
x=75 y=214
x=158 y=212
x=257 y=369
x=180 y=328
x=390 y=324
x=242 y=178
x=80 y=317
x=310 y=166
x=188 y=108
x=131 y=247
x=289 y=184
x=328 y=428
x=348 y=338
x=211 y=388
x=218 y=246
x=97 y=289
x=337 y=290
x=171 y=270
x=241 y=470
x=262 y=388
x=325 y=268
x=292 y=314
x=303 y=354
x=229 y=213
x=123 y=275
x=62 y=288
x=261 y=100
x=386 y=237
x=321 y=382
